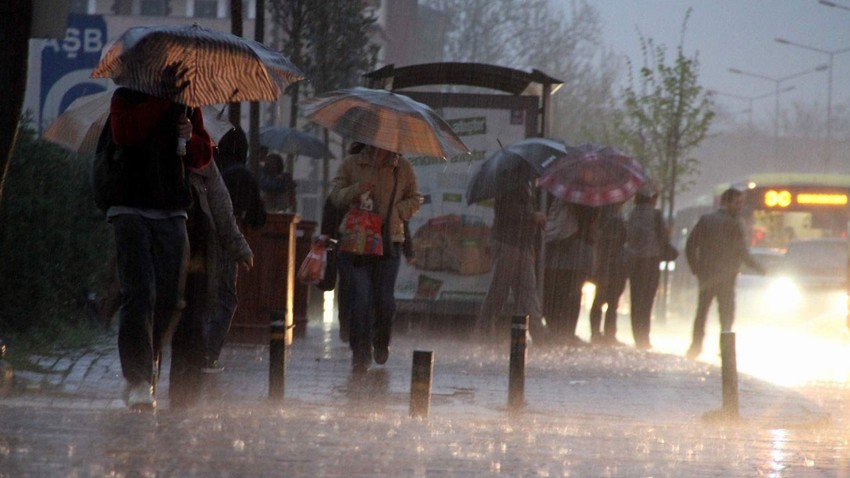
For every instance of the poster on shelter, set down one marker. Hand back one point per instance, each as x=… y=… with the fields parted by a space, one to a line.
x=451 y=238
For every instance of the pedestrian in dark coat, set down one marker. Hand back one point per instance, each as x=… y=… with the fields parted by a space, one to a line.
x=715 y=250
x=610 y=275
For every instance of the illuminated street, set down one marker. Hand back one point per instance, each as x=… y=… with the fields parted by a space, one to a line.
x=590 y=412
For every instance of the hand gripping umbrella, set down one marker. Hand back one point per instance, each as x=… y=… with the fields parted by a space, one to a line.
x=387 y=120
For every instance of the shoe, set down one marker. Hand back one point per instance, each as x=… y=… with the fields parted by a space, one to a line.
x=598 y=339
x=643 y=345
x=575 y=341
x=381 y=354
x=611 y=341
x=212 y=366
x=359 y=368
x=693 y=352
x=140 y=397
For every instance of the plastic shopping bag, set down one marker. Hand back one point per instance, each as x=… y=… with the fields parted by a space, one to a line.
x=312 y=270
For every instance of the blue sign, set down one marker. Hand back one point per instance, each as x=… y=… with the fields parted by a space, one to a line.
x=67 y=64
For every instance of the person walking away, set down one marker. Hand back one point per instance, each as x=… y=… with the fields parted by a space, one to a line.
x=277 y=187
x=646 y=234
x=148 y=211
x=570 y=237
x=389 y=182
x=247 y=208
x=610 y=275
x=214 y=237
x=715 y=249
x=514 y=237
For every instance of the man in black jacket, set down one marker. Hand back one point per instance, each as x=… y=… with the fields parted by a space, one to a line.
x=715 y=250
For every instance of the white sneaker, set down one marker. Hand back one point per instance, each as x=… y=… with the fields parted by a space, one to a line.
x=140 y=397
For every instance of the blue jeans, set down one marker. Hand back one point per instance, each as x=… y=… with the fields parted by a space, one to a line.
x=152 y=258
x=371 y=289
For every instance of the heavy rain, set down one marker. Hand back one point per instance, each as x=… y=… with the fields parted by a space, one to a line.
x=522 y=158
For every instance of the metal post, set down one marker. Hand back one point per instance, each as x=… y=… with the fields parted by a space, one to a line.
x=420 y=383
x=516 y=377
x=729 y=374
x=277 y=359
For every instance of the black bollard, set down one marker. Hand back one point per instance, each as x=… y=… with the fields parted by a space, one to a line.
x=277 y=359
x=420 y=383
x=516 y=377
x=729 y=374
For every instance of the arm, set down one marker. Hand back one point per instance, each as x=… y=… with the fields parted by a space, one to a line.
x=199 y=146
x=692 y=247
x=345 y=189
x=229 y=235
x=411 y=199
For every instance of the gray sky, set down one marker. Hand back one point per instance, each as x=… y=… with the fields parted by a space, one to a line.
x=740 y=34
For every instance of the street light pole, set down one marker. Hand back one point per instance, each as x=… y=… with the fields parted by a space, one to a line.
x=751 y=99
x=831 y=54
x=833 y=4
x=778 y=83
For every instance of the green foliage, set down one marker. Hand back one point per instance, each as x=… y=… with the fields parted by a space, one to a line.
x=54 y=243
x=665 y=117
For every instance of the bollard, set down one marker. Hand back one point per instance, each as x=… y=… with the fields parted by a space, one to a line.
x=277 y=359
x=729 y=374
x=516 y=377
x=420 y=383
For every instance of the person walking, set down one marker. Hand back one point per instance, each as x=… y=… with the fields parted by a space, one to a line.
x=646 y=234
x=610 y=275
x=148 y=209
x=277 y=188
x=248 y=211
x=214 y=238
x=388 y=181
x=515 y=234
x=570 y=236
x=715 y=249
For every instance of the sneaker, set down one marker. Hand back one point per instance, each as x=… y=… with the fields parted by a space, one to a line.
x=359 y=368
x=212 y=366
x=140 y=397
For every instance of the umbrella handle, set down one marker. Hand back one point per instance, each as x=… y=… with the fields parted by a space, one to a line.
x=181 y=141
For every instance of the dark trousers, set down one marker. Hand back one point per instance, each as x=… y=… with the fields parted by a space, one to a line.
x=608 y=291
x=643 y=284
x=152 y=255
x=220 y=319
x=724 y=290
x=371 y=290
x=562 y=301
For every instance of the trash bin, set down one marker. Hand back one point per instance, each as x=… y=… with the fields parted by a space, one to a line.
x=269 y=286
x=304 y=232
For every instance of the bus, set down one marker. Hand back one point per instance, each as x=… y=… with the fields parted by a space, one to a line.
x=780 y=208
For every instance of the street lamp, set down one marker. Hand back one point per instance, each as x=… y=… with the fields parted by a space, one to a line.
x=778 y=83
x=751 y=99
x=833 y=4
x=831 y=54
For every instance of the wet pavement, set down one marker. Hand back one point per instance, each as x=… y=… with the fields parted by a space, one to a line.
x=589 y=412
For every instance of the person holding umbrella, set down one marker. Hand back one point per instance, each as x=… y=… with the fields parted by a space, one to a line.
x=148 y=210
x=388 y=181
x=515 y=235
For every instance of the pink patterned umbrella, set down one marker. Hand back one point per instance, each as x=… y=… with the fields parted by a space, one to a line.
x=594 y=175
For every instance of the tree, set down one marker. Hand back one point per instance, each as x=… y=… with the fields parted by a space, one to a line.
x=665 y=117
x=526 y=34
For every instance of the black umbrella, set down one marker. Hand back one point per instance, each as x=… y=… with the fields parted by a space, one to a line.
x=522 y=161
x=292 y=141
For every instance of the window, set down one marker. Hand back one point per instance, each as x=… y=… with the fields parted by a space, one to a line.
x=206 y=8
x=155 y=8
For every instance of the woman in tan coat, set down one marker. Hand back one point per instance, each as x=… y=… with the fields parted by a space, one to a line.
x=388 y=182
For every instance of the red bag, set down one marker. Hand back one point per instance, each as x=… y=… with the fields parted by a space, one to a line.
x=360 y=233
x=312 y=270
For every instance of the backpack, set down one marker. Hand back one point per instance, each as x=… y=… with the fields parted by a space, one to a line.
x=105 y=169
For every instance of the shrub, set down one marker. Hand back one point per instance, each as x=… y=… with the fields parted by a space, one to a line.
x=55 y=245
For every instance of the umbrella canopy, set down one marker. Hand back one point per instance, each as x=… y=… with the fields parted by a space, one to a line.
x=387 y=120
x=594 y=175
x=520 y=161
x=196 y=66
x=292 y=141
x=79 y=126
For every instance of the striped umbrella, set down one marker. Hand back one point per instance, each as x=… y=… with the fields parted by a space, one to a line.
x=79 y=126
x=292 y=141
x=594 y=175
x=387 y=120
x=196 y=66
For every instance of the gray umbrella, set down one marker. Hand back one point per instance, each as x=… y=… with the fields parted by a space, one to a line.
x=292 y=141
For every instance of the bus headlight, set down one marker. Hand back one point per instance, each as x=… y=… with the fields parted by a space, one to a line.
x=783 y=294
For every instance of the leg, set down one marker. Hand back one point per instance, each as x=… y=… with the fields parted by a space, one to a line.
x=343 y=299
x=726 y=304
x=497 y=294
x=616 y=286
x=575 y=283
x=527 y=294
x=385 y=276
x=361 y=290
x=554 y=301
x=596 y=310
x=136 y=274
x=706 y=294
x=221 y=317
